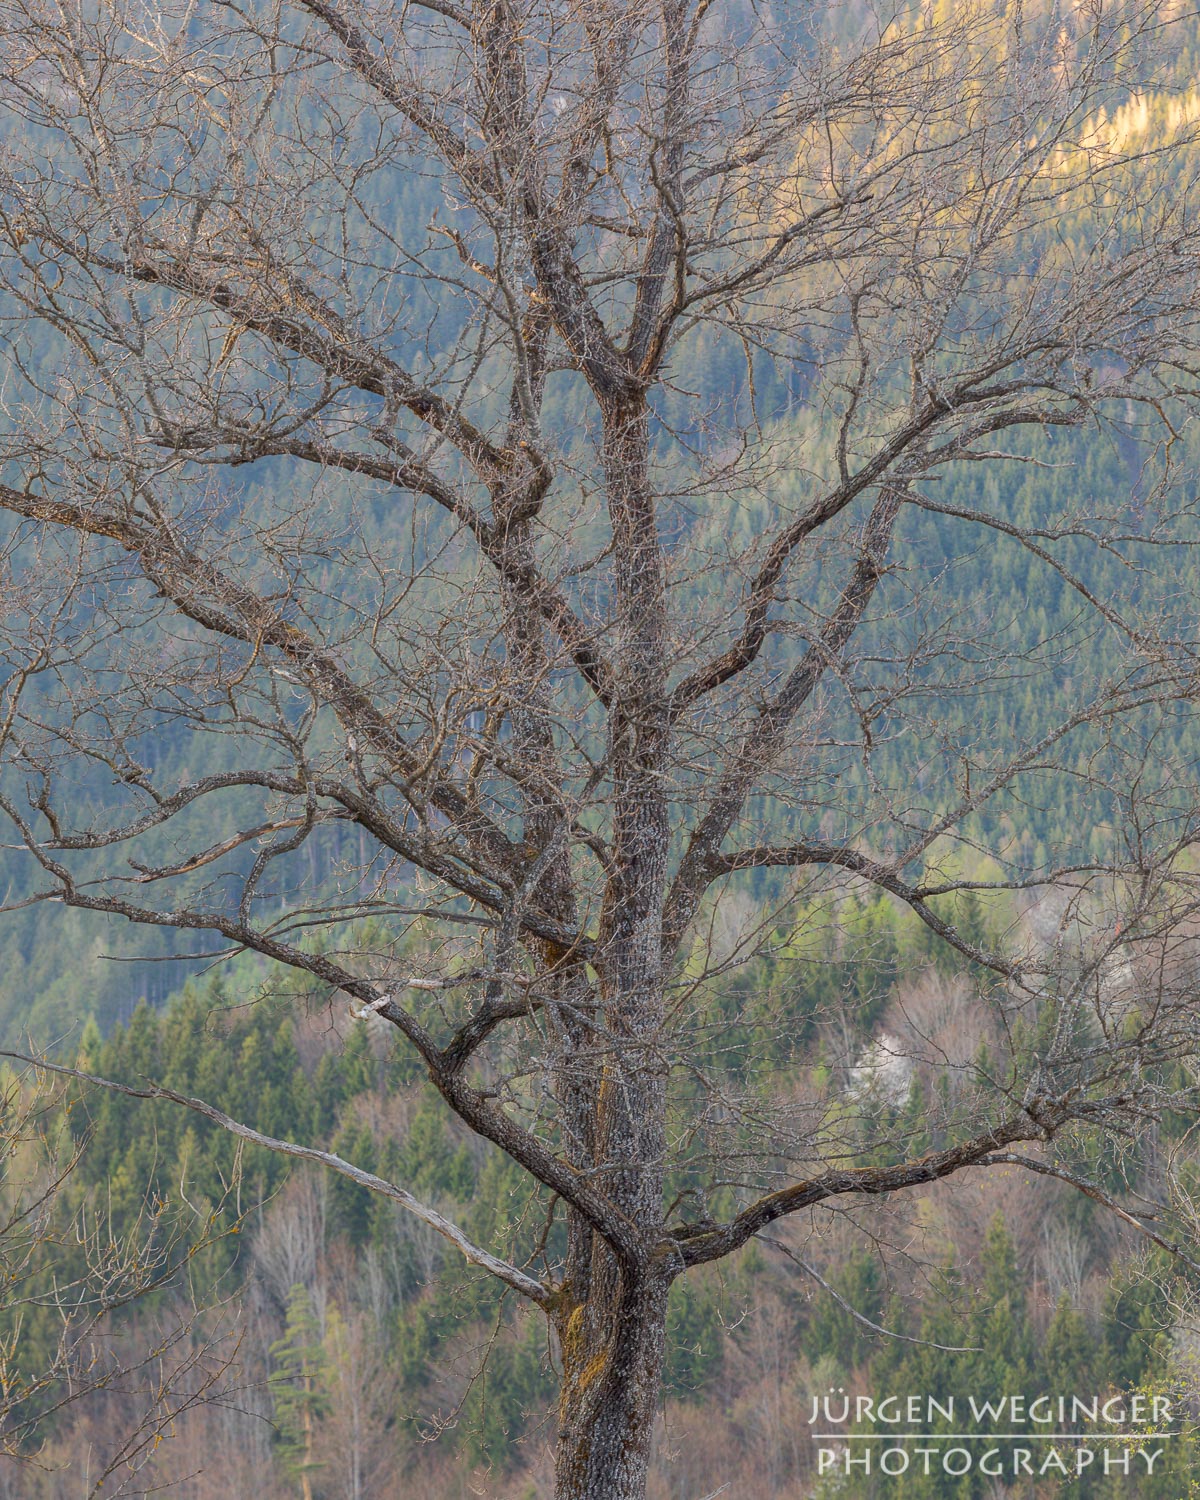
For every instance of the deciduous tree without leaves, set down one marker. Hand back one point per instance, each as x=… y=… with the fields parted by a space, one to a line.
x=523 y=449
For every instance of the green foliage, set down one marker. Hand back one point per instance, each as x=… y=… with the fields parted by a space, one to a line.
x=299 y=1384
x=350 y=1205
x=695 y=1339
x=824 y=963
x=831 y=1328
x=1136 y=1319
x=511 y=1394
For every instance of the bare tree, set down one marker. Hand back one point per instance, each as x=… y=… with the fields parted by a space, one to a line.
x=503 y=443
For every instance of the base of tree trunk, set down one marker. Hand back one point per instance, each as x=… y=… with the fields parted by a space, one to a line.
x=612 y=1369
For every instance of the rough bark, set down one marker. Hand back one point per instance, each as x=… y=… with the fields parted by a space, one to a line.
x=613 y=1326
x=612 y=1352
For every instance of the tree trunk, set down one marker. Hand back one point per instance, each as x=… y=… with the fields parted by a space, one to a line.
x=612 y=1323
x=612 y=1352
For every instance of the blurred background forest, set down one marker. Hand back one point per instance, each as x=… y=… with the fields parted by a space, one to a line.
x=356 y=1357
x=365 y=1359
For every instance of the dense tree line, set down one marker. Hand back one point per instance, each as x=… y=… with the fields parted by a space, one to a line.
x=1049 y=475
x=363 y=1338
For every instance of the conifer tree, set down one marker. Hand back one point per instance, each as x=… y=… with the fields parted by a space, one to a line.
x=299 y=1388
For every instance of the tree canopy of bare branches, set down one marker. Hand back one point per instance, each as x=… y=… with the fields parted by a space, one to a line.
x=486 y=483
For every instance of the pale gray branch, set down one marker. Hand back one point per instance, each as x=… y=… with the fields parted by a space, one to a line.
x=476 y=1255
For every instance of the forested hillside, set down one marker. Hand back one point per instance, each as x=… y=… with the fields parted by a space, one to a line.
x=367 y=1358
x=1058 y=482
x=1037 y=508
